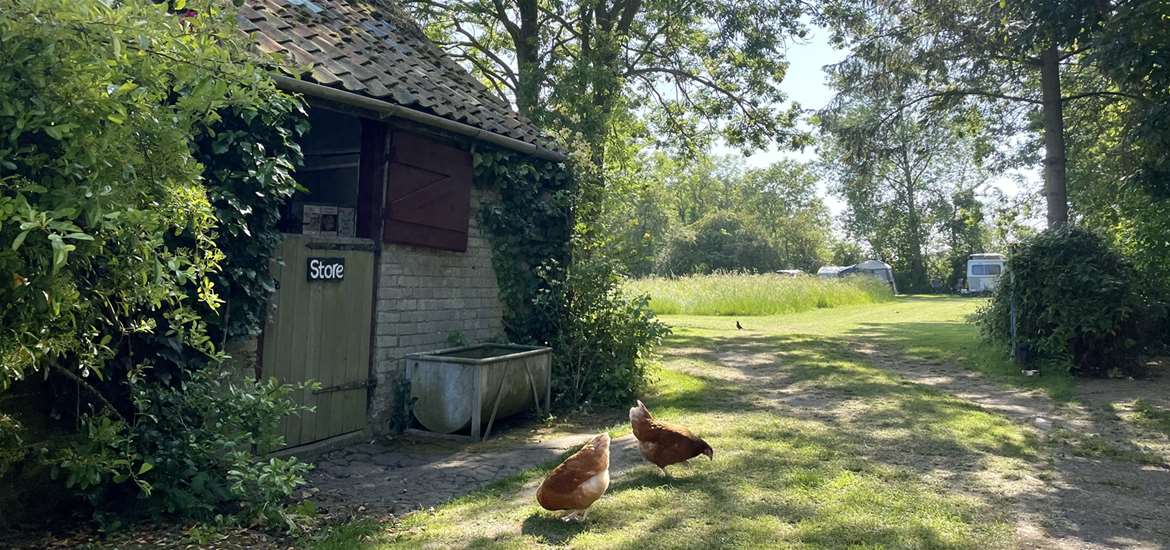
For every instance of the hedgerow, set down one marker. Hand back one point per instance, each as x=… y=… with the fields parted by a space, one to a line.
x=143 y=156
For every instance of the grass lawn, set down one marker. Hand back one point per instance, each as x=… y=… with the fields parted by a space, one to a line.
x=813 y=448
x=767 y=294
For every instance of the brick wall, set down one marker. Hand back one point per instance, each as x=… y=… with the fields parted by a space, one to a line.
x=424 y=295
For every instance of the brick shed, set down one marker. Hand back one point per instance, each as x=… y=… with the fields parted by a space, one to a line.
x=382 y=255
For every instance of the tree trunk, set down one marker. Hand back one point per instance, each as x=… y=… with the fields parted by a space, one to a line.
x=1055 y=186
x=914 y=227
x=917 y=262
x=528 y=59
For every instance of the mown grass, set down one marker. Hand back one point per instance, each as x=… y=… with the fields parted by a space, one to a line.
x=769 y=294
x=865 y=470
x=1152 y=416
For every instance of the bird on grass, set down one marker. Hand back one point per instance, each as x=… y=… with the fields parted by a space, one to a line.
x=738 y=326
x=578 y=482
x=665 y=444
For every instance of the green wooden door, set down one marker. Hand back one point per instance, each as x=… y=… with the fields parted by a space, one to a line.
x=318 y=328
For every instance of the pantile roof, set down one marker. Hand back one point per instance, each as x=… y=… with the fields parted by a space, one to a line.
x=373 y=48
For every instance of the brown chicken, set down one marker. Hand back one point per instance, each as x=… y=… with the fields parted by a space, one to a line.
x=579 y=481
x=665 y=444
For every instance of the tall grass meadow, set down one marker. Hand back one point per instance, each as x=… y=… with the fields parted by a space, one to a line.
x=766 y=294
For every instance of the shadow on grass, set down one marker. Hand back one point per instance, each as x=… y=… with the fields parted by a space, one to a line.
x=812 y=446
x=551 y=529
x=958 y=344
x=826 y=375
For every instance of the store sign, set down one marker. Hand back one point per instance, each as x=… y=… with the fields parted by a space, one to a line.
x=326 y=269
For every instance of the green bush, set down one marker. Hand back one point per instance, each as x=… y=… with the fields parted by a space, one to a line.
x=719 y=242
x=1076 y=301
x=191 y=448
x=603 y=340
x=559 y=284
x=12 y=448
x=141 y=154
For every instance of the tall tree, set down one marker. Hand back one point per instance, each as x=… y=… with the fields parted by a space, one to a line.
x=895 y=176
x=1010 y=56
x=964 y=232
x=575 y=64
x=700 y=185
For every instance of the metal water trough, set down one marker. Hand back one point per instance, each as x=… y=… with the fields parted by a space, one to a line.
x=463 y=388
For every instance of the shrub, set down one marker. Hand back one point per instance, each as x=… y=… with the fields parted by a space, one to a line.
x=1076 y=303
x=136 y=148
x=191 y=447
x=719 y=242
x=603 y=339
x=558 y=282
x=12 y=448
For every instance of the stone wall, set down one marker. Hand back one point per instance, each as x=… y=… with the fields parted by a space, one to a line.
x=424 y=296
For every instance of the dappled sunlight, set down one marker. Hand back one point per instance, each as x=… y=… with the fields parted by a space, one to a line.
x=818 y=441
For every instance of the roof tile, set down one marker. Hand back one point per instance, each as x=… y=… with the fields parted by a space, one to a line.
x=372 y=48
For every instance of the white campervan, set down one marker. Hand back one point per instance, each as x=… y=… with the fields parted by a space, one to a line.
x=983 y=272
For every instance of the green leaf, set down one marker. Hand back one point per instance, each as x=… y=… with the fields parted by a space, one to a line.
x=146 y=467
x=125 y=88
x=19 y=240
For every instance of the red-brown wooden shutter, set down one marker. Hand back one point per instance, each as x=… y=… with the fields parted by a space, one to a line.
x=428 y=193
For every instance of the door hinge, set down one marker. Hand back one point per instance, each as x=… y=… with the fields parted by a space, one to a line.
x=355 y=385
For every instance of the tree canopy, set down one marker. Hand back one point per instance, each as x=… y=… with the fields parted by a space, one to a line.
x=694 y=69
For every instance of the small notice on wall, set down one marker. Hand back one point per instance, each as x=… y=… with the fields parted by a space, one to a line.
x=345 y=222
x=321 y=220
x=326 y=269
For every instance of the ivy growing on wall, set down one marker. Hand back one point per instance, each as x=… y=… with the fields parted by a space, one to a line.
x=558 y=285
x=248 y=157
x=528 y=222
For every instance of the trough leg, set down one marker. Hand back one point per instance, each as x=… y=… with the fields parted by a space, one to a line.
x=548 y=385
x=477 y=403
x=496 y=406
x=532 y=384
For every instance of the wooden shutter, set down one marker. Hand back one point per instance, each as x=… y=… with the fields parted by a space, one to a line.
x=428 y=193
